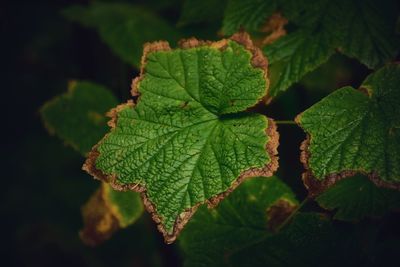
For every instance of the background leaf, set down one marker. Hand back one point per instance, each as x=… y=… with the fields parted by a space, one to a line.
x=195 y=11
x=246 y=14
x=357 y=130
x=357 y=197
x=78 y=116
x=125 y=28
x=238 y=221
x=106 y=212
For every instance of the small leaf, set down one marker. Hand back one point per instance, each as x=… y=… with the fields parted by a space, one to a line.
x=189 y=139
x=246 y=14
x=124 y=27
x=240 y=220
x=357 y=197
x=78 y=116
x=355 y=131
x=106 y=212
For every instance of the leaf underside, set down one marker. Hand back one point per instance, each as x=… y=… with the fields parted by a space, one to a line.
x=356 y=131
x=189 y=139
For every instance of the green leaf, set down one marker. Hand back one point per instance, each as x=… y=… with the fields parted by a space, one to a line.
x=369 y=31
x=189 y=138
x=107 y=211
x=246 y=14
x=356 y=130
x=123 y=27
x=238 y=221
x=195 y=11
x=357 y=197
x=309 y=240
x=361 y=29
x=294 y=55
x=78 y=116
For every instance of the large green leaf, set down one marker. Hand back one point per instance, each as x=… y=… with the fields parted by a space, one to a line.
x=78 y=116
x=240 y=220
x=361 y=29
x=189 y=139
x=357 y=197
x=124 y=27
x=356 y=130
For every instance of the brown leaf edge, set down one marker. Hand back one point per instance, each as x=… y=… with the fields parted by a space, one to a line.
x=316 y=187
x=258 y=61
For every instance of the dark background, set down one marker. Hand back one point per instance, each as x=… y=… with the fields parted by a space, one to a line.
x=43 y=185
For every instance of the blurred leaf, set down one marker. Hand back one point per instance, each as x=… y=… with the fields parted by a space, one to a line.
x=124 y=27
x=243 y=218
x=198 y=11
x=78 y=116
x=357 y=197
x=369 y=31
x=361 y=29
x=357 y=130
x=246 y=14
x=106 y=212
x=294 y=55
x=309 y=240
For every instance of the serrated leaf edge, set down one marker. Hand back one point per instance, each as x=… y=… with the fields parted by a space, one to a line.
x=315 y=186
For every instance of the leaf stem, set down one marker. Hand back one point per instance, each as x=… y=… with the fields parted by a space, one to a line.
x=287 y=220
x=286 y=122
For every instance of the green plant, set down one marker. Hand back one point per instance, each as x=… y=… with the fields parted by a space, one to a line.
x=195 y=129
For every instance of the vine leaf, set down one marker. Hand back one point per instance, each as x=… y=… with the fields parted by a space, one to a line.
x=189 y=139
x=240 y=220
x=123 y=27
x=78 y=116
x=354 y=131
x=357 y=197
x=107 y=211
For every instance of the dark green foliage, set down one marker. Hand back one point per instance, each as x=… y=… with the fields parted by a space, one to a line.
x=195 y=123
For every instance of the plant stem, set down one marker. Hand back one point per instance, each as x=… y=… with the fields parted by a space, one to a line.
x=287 y=220
x=286 y=122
